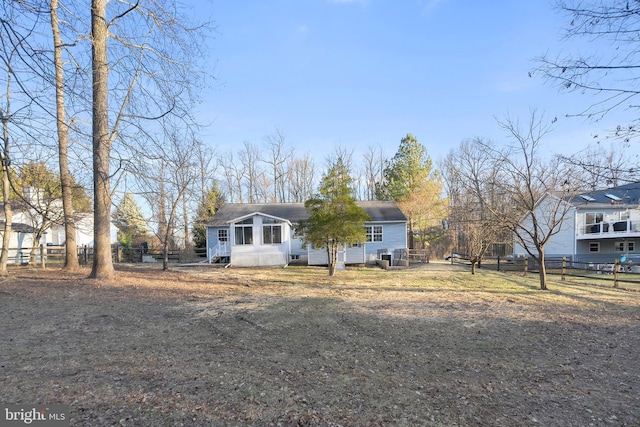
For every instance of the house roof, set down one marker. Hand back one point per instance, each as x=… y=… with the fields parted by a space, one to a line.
x=18 y=227
x=625 y=195
x=379 y=211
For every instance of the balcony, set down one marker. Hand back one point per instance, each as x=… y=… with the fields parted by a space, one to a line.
x=606 y=230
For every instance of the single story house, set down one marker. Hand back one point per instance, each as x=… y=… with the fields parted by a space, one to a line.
x=262 y=234
x=598 y=227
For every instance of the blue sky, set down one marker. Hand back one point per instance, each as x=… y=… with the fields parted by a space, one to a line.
x=359 y=73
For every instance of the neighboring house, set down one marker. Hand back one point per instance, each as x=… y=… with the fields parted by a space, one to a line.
x=599 y=227
x=26 y=221
x=244 y=234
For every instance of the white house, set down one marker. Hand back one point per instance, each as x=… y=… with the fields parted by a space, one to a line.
x=28 y=218
x=598 y=227
x=244 y=234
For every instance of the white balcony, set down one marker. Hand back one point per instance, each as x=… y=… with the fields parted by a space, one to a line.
x=606 y=230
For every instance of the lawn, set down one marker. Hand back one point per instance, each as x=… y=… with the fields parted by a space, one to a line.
x=430 y=345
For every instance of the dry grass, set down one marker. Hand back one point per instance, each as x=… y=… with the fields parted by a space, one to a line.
x=421 y=346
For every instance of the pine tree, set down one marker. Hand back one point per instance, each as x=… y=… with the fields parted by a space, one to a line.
x=209 y=205
x=335 y=219
x=129 y=220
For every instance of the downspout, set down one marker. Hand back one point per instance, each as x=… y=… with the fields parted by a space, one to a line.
x=288 y=248
x=575 y=236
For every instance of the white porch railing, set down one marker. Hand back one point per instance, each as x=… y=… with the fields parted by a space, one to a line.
x=220 y=250
x=626 y=228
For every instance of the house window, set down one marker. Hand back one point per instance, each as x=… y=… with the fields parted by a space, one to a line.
x=244 y=232
x=271 y=234
x=594 y=247
x=223 y=235
x=593 y=217
x=624 y=246
x=374 y=233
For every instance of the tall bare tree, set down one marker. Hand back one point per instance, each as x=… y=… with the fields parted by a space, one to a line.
x=253 y=175
x=301 y=178
x=6 y=188
x=101 y=137
x=155 y=77
x=535 y=192
x=233 y=173
x=62 y=126
x=472 y=174
x=168 y=172
x=374 y=162
x=277 y=156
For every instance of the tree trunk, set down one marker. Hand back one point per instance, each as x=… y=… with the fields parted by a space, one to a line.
x=331 y=258
x=473 y=266
x=542 y=271
x=165 y=253
x=6 y=193
x=102 y=261
x=71 y=254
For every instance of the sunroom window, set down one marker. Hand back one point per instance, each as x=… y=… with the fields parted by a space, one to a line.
x=244 y=232
x=271 y=234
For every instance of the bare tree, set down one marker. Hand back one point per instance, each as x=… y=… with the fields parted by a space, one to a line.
x=610 y=70
x=599 y=167
x=6 y=189
x=374 y=163
x=535 y=193
x=472 y=175
x=233 y=173
x=62 y=126
x=277 y=158
x=155 y=74
x=253 y=175
x=101 y=136
x=166 y=175
x=301 y=178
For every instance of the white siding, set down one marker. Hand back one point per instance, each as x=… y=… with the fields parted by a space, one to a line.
x=560 y=244
x=394 y=236
x=258 y=253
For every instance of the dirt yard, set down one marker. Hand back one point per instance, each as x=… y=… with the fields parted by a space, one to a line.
x=428 y=346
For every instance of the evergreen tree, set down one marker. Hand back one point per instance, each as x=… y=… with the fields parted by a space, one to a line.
x=209 y=205
x=410 y=166
x=129 y=220
x=410 y=180
x=335 y=219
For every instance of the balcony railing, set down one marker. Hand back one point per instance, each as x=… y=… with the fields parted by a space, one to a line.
x=609 y=229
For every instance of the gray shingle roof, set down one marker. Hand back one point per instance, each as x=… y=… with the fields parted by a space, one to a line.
x=628 y=194
x=18 y=227
x=377 y=210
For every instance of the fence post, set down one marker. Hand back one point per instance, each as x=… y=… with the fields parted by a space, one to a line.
x=526 y=266
x=498 y=268
x=564 y=267
x=616 y=273
x=42 y=264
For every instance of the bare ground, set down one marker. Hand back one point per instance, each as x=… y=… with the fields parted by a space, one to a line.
x=429 y=346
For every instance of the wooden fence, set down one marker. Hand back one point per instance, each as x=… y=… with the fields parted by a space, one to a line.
x=51 y=255
x=617 y=275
